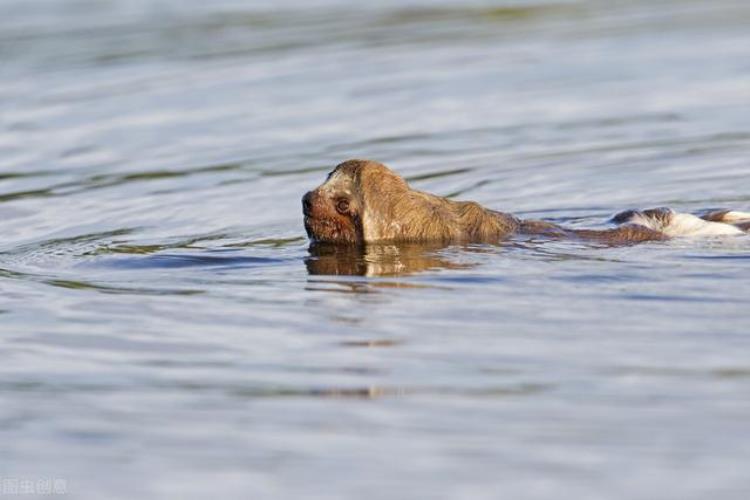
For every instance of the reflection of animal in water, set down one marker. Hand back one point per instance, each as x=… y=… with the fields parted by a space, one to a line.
x=380 y=259
x=364 y=202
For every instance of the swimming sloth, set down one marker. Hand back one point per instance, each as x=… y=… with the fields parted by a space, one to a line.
x=364 y=201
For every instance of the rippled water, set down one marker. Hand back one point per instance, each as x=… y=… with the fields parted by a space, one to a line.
x=166 y=333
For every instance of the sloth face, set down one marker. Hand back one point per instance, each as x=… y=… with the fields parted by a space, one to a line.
x=333 y=211
x=365 y=202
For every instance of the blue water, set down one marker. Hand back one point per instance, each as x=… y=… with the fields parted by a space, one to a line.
x=166 y=332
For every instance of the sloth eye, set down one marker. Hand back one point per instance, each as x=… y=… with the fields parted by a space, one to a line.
x=342 y=206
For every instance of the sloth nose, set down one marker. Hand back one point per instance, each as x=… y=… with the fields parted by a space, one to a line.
x=307 y=203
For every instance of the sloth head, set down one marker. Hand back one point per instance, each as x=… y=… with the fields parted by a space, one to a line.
x=352 y=206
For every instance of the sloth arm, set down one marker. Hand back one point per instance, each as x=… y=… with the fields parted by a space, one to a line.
x=627 y=233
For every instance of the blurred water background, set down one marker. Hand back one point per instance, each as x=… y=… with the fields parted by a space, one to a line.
x=165 y=332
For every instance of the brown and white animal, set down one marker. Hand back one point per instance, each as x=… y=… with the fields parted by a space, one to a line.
x=363 y=201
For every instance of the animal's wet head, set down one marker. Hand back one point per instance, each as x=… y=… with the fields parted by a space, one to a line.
x=332 y=211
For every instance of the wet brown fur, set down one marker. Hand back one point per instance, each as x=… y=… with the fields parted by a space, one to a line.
x=382 y=207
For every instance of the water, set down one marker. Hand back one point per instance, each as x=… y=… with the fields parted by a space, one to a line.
x=166 y=333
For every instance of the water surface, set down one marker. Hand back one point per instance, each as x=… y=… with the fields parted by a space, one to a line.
x=167 y=333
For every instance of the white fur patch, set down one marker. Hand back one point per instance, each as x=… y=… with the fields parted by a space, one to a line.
x=690 y=225
x=680 y=224
x=736 y=217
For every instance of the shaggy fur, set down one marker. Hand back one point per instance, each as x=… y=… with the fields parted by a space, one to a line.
x=364 y=201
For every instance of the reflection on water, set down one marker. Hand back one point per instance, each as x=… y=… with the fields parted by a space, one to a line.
x=378 y=259
x=162 y=316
